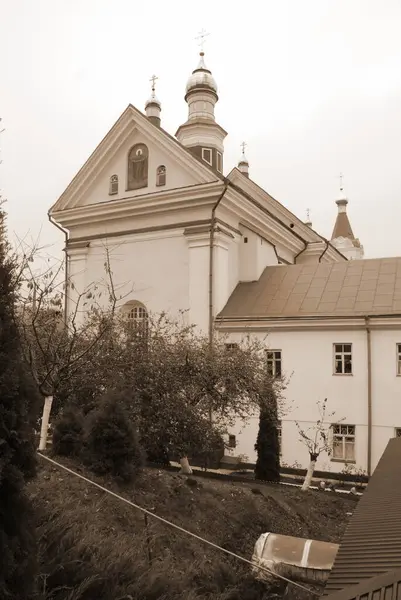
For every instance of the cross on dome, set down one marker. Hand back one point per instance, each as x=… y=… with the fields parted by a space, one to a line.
x=201 y=37
x=153 y=79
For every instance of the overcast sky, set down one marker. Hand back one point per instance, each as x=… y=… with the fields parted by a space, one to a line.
x=313 y=87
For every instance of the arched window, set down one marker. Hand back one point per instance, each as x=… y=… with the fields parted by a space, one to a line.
x=161 y=175
x=138 y=158
x=113 y=188
x=138 y=319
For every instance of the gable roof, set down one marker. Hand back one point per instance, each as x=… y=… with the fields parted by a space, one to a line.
x=371 y=544
x=114 y=139
x=351 y=288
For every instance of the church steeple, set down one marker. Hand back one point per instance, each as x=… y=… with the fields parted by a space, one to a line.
x=343 y=237
x=200 y=133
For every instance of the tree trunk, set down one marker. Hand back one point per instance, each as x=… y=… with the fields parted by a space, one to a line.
x=309 y=474
x=185 y=466
x=45 y=422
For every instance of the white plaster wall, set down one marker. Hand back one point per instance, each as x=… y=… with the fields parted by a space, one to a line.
x=198 y=277
x=220 y=273
x=286 y=254
x=177 y=176
x=233 y=263
x=255 y=254
x=346 y=247
x=308 y=363
x=386 y=389
x=152 y=269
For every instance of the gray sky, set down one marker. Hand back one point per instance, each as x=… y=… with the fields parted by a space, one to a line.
x=313 y=86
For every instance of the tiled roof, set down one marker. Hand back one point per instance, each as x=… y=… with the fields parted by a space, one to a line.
x=371 y=544
x=351 y=288
x=342 y=227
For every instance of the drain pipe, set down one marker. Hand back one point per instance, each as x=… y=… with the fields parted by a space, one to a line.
x=369 y=366
x=324 y=251
x=211 y=262
x=301 y=252
x=65 y=232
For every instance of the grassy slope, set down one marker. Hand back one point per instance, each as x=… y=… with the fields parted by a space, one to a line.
x=94 y=546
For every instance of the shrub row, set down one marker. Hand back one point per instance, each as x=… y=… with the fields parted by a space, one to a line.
x=105 y=440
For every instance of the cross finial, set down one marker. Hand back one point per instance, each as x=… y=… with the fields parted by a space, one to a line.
x=153 y=79
x=341 y=182
x=308 y=214
x=243 y=146
x=201 y=37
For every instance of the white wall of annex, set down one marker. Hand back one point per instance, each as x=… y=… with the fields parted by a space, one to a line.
x=308 y=366
x=150 y=269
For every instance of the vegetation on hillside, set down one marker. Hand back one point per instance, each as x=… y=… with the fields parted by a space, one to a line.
x=17 y=455
x=171 y=381
x=123 y=390
x=95 y=546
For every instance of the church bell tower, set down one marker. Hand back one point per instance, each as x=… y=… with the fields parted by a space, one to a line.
x=200 y=133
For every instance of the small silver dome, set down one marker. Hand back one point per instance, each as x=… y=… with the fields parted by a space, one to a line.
x=201 y=77
x=153 y=100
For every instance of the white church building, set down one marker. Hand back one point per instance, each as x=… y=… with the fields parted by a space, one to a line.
x=184 y=236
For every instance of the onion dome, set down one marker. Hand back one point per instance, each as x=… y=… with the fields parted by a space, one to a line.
x=201 y=78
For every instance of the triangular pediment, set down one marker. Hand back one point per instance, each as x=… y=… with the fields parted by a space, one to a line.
x=91 y=185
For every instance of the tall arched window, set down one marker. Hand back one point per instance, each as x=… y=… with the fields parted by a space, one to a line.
x=138 y=319
x=113 y=188
x=161 y=175
x=138 y=159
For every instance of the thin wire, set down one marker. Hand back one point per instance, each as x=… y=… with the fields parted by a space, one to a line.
x=197 y=537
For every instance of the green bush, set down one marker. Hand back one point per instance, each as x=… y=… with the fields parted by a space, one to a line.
x=267 y=466
x=111 y=442
x=68 y=433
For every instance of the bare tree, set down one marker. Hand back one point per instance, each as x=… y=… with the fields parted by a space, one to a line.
x=317 y=439
x=55 y=344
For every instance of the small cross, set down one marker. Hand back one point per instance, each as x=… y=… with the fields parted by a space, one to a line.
x=243 y=146
x=153 y=79
x=308 y=214
x=201 y=36
x=341 y=181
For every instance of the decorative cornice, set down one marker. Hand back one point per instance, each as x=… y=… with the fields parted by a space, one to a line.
x=279 y=210
x=264 y=324
x=250 y=215
x=134 y=206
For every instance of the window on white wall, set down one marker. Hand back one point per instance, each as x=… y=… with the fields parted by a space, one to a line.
x=398 y=432
x=207 y=155
x=343 y=442
x=342 y=359
x=232 y=441
x=113 y=185
x=138 y=319
x=231 y=346
x=398 y=359
x=273 y=363
x=161 y=175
